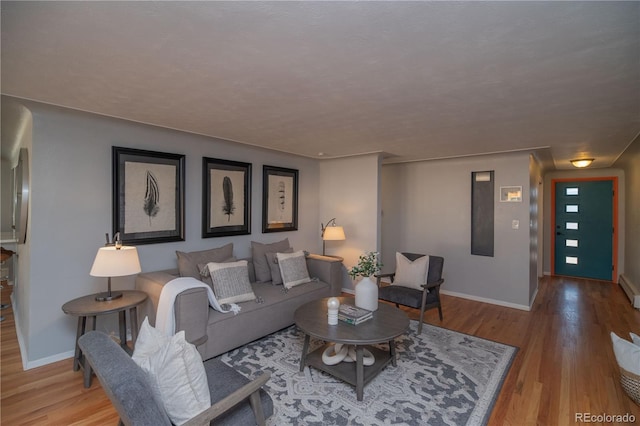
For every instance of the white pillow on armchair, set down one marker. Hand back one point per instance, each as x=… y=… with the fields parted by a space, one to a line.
x=411 y=273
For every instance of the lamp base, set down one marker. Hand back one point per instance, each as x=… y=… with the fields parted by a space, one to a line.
x=106 y=296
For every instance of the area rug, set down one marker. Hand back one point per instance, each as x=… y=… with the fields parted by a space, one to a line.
x=442 y=378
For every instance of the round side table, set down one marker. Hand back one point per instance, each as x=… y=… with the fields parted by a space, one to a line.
x=87 y=307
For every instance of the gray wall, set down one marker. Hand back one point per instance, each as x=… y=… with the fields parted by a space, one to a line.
x=71 y=211
x=426 y=208
x=629 y=162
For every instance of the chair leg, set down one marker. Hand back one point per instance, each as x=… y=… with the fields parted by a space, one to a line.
x=256 y=406
x=422 y=305
x=440 y=311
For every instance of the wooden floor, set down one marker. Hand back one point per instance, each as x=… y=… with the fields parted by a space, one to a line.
x=565 y=365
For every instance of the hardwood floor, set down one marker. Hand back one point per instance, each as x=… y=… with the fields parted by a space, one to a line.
x=565 y=365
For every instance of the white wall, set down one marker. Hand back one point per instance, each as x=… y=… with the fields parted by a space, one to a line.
x=426 y=208
x=71 y=211
x=536 y=221
x=349 y=191
x=629 y=161
x=581 y=174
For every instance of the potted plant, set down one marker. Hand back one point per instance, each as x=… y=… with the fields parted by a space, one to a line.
x=366 y=289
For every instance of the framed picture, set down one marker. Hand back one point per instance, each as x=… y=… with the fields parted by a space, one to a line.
x=511 y=194
x=148 y=196
x=279 y=199
x=226 y=198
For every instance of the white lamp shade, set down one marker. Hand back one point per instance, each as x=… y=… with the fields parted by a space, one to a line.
x=112 y=262
x=334 y=233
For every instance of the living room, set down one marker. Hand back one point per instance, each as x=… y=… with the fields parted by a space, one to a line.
x=415 y=204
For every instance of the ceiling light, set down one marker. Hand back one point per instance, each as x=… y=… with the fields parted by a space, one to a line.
x=582 y=162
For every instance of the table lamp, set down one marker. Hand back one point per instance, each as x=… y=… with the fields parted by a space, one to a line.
x=332 y=233
x=114 y=261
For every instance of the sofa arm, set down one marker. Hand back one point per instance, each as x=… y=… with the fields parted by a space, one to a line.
x=152 y=284
x=191 y=306
x=327 y=269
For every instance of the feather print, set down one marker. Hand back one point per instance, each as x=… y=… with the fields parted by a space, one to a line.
x=151 y=196
x=281 y=195
x=227 y=190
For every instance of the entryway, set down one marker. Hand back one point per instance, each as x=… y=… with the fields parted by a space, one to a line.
x=585 y=227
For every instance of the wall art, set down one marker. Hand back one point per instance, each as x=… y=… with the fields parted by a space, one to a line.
x=148 y=196
x=279 y=199
x=226 y=198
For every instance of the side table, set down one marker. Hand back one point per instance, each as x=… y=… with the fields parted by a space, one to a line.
x=87 y=307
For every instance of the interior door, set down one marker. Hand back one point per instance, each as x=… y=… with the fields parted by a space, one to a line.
x=584 y=229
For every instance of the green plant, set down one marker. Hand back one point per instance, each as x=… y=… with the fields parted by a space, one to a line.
x=367 y=265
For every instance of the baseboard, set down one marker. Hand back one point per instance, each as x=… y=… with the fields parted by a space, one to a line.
x=486 y=300
x=349 y=290
x=631 y=289
x=26 y=364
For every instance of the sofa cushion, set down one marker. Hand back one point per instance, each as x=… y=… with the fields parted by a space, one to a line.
x=175 y=371
x=272 y=260
x=411 y=273
x=259 y=251
x=188 y=262
x=293 y=268
x=231 y=282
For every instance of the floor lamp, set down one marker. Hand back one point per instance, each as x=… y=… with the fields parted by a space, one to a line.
x=331 y=233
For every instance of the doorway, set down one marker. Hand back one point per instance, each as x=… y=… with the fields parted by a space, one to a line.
x=584 y=223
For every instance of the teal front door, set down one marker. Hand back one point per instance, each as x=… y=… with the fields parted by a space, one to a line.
x=584 y=229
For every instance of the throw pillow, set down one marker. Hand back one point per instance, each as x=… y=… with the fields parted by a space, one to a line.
x=175 y=371
x=231 y=282
x=258 y=252
x=272 y=260
x=635 y=339
x=205 y=276
x=627 y=354
x=293 y=268
x=188 y=262
x=411 y=273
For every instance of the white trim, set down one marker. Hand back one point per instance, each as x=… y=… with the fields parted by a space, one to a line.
x=26 y=364
x=486 y=300
x=48 y=360
x=349 y=290
x=631 y=290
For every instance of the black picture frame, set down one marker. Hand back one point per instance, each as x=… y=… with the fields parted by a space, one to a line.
x=226 y=198
x=279 y=199
x=148 y=196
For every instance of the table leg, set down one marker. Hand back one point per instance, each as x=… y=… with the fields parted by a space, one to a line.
x=392 y=351
x=305 y=349
x=123 y=328
x=82 y=322
x=359 y=373
x=86 y=365
x=133 y=319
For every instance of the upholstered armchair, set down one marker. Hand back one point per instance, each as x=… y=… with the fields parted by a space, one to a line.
x=419 y=290
x=235 y=399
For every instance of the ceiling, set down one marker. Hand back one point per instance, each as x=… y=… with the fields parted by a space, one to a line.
x=413 y=80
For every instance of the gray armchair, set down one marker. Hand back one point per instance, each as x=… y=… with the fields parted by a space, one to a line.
x=427 y=298
x=235 y=399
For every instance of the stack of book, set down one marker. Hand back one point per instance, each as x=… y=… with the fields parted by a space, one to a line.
x=353 y=315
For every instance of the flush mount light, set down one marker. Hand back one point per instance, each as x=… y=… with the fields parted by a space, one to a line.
x=582 y=162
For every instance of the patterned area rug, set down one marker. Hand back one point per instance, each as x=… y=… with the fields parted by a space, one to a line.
x=442 y=378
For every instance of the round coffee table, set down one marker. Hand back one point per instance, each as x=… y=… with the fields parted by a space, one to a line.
x=387 y=323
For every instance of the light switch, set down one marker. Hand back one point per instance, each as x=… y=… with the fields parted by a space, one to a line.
x=515 y=224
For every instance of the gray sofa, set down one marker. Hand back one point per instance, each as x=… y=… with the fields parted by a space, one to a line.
x=215 y=333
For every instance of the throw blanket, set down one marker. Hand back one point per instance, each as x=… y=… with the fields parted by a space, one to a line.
x=165 y=314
